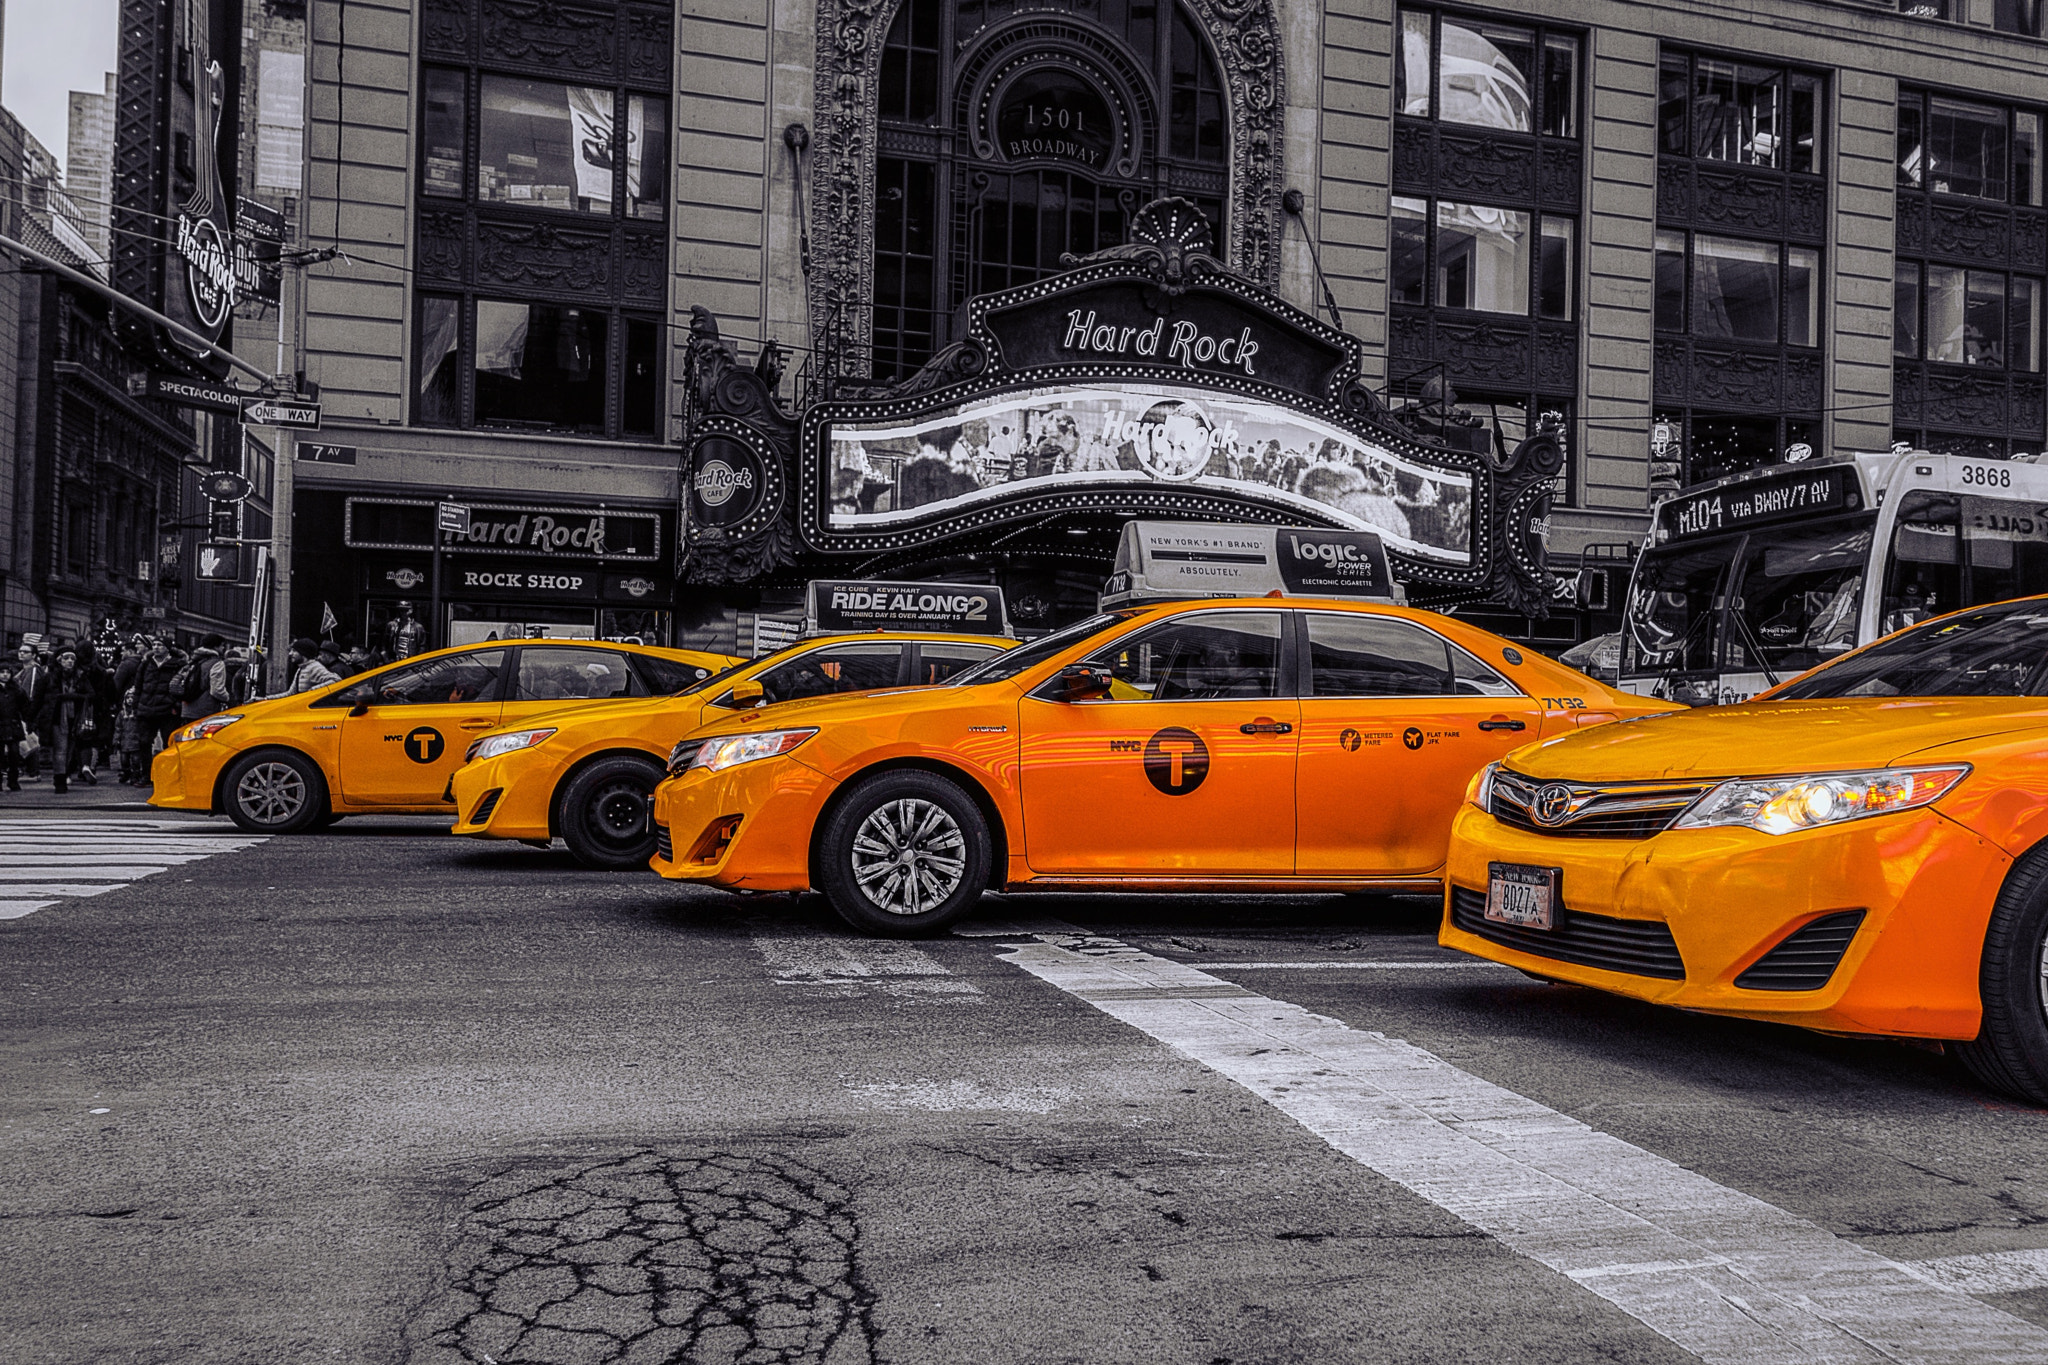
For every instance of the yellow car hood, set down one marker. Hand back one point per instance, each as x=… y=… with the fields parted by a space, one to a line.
x=1776 y=737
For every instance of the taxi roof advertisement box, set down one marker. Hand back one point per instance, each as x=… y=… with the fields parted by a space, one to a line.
x=1159 y=561
x=844 y=605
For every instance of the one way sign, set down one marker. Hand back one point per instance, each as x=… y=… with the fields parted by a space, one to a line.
x=281 y=412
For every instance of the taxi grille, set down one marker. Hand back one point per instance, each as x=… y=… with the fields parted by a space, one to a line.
x=1640 y=947
x=1622 y=810
x=664 y=847
x=482 y=813
x=1807 y=958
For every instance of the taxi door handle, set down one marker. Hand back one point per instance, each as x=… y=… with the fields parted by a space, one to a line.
x=1503 y=725
x=475 y=724
x=1265 y=727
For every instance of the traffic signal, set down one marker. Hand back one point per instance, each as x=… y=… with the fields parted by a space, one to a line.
x=221 y=521
x=220 y=563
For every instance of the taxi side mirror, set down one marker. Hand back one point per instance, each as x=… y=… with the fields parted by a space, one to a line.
x=1078 y=682
x=746 y=694
x=362 y=706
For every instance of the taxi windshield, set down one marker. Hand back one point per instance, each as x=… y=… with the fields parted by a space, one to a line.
x=1997 y=651
x=1010 y=663
x=722 y=674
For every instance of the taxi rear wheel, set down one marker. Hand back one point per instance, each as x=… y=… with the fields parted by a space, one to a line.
x=904 y=853
x=274 y=791
x=607 y=813
x=2010 y=1051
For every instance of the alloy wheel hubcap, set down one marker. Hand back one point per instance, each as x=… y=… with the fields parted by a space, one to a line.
x=271 y=793
x=622 y=813
x=909 y=856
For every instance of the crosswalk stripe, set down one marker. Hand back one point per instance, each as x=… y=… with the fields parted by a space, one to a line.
x=1990 y=1272
x=44 y=861
x=1726 y=1276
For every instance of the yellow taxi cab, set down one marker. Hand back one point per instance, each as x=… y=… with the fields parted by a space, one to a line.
x=387 y=741
x=1859 y=850
x=589 y=775
x=1250 y=744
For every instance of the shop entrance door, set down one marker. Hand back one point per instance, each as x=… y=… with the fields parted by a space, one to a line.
x=421 y=718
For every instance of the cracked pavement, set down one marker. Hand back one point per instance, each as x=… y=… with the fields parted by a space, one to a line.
x=382 y=1097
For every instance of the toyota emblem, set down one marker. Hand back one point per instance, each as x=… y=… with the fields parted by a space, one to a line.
x=1551 y=804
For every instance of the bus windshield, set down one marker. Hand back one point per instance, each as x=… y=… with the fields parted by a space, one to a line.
x=1791 y=595
x=1997 y=651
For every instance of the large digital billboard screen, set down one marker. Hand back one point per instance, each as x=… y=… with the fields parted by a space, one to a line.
x=1145 y=435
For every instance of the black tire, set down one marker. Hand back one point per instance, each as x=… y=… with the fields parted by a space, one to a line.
x=607 y=812
x=2010 y=1051
x=274 y=791
x=898 y=821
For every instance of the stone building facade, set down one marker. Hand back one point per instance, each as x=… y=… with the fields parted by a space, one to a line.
x=1705 y=237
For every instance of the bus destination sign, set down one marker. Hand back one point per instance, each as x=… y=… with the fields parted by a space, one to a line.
x=1784 y=495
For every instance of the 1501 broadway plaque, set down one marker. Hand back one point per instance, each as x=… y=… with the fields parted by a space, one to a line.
x=1143 y=435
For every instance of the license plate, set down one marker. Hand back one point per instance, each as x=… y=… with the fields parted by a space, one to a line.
x=1521 y=895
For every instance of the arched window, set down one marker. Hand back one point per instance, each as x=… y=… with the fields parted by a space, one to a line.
x=1012 y=134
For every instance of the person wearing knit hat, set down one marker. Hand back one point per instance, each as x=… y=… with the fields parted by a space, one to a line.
x=311 y=672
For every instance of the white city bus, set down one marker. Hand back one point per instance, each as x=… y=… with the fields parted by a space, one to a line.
x=1748 y=580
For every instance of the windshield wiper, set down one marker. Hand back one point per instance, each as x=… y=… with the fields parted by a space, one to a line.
x=1749 y=638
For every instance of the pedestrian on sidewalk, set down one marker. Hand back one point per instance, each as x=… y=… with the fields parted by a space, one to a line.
x=13 y=727
x=32 y=676
x=156 y=709
x=202 y=683
x=312 y=669
x=128 y=740
x=66 y=718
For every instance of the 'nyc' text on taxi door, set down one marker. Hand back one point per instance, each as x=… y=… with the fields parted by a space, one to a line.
x=420 y=720
x=1186 y=769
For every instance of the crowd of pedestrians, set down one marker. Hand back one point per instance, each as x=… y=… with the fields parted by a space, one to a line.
x=69 y=711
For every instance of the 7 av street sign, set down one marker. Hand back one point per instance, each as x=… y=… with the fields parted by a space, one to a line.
x=281 y=412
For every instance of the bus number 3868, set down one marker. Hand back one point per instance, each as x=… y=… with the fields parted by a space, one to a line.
x=1988 y=476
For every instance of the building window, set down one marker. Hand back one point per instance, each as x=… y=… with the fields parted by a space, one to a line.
x=444 y=124
x=1461 y=69
x=1957 y=316
x=1481 y=258
x=1726 y=109
x=1048 y=149
x=1978 y=151
x=536 y=366
x=1729 y=289
x=2007 y=16
x=1712 y=445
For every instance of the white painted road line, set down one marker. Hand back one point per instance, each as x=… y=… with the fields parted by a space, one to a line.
x=54 y=856
x=1726 y=1276
x=1351 y=966
x=1992 y=1272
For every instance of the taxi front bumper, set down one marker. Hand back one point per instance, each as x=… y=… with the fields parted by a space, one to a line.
x=183 y=776
x=524 y=783
x=747 y=827
x=1924 y=885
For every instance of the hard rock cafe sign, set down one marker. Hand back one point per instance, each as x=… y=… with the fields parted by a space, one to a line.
x=203 y=237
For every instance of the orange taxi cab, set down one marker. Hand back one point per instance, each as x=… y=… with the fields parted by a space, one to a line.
x=589 y=775
x=1859 y=850
x=1242 y=744
x=387 y=741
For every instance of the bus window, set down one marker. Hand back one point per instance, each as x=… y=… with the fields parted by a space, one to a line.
x=1925 y=574
x=1673 y=600
x=1796 y=606
x=2005 y=542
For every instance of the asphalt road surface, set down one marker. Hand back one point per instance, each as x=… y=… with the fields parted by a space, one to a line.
x=379 y=1095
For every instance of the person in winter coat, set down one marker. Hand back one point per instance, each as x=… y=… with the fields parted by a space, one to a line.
x=312 y=669
x=13 y=727
x=32 y=677
x=156 y=709
x=206 y=684
x=128 y=741
x=66 y=719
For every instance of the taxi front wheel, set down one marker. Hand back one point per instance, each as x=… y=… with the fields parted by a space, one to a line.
x=274 y=791
x=2010 y=1051
x=904 y=853
x=607 y=813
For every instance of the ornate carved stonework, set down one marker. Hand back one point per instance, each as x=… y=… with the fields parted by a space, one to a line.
x=1674 y=191
x=645 y=266
x=1741 y=379
x=1910 y=226
x=1803 y=381
x=440 y=248
x=445 y=28
x=1672 y=370
x=1563 y=175
x=1964 y=398
x=1557 y=359
x=723 y=397
x=1752 y=203
x=851 y=33
x=2029 y=239
x=648 y=36
x=564 y=38
x=1491 y=167
x=1414 y=154
x=1967 y=231
x=543 y=256
x=2028 y=407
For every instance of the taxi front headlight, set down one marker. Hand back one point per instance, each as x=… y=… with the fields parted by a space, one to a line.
x=512 y=741
x=200 y=729
x=732 y=750
x=1479 y=792
x=1781 y=805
